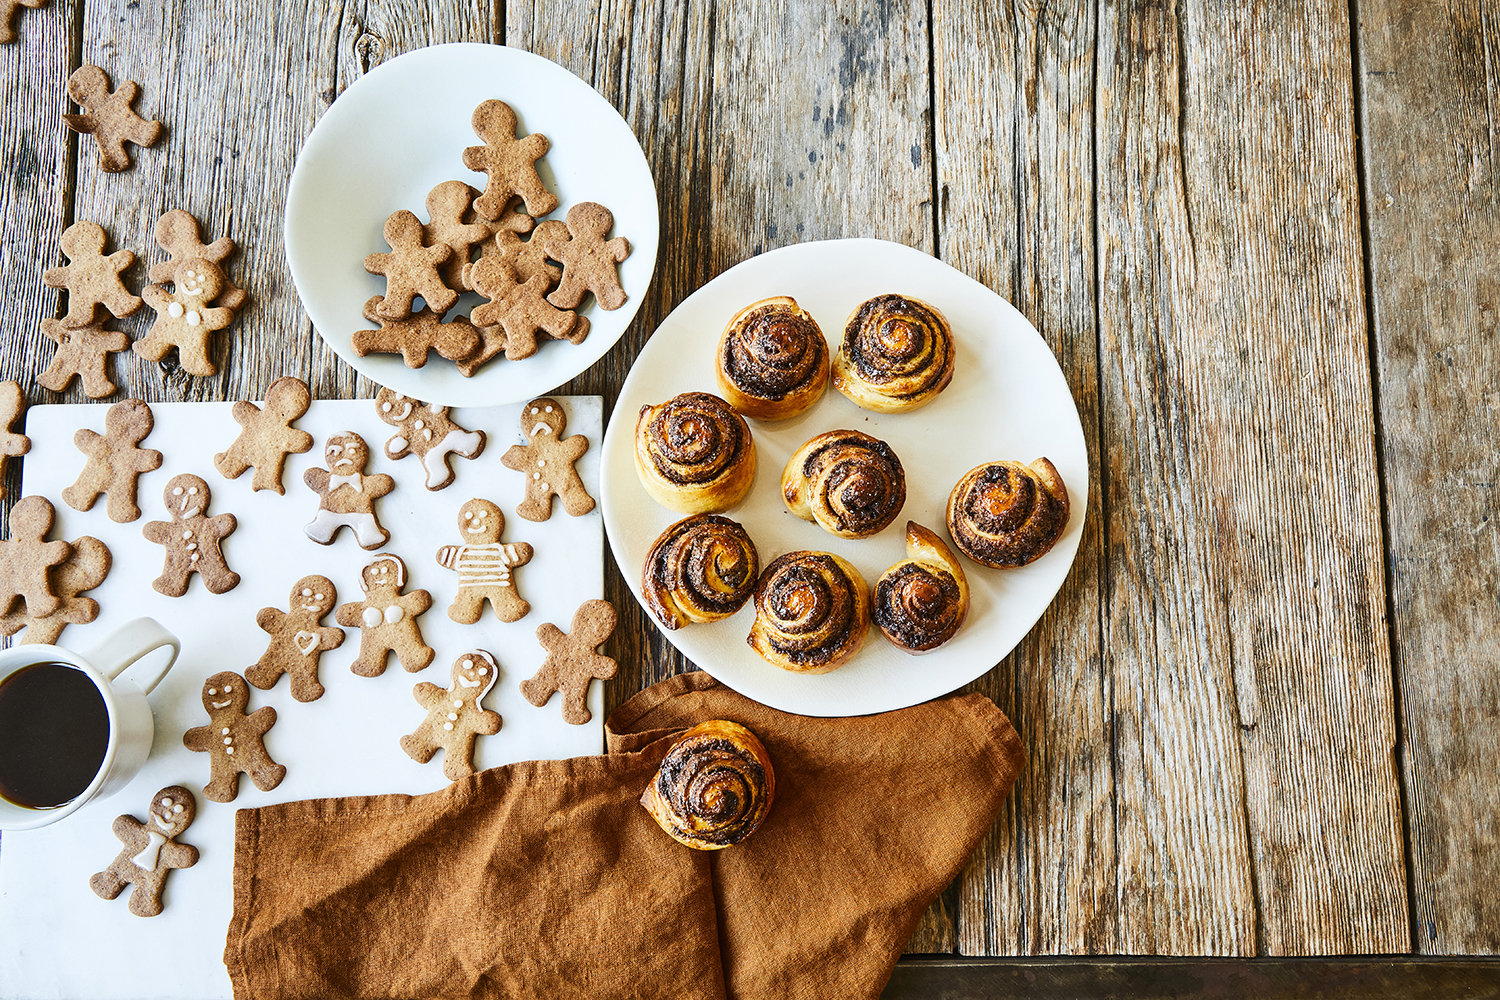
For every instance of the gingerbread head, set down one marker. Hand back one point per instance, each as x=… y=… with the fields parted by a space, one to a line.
x=197 y=280
x=313 y=594
x=347 y=454
x=225 y=691
x=393 y=407
x=186 y=496
x=474 y=673
x=544 y=418
x=385 y=575
x=480 y=522
x=172 y=811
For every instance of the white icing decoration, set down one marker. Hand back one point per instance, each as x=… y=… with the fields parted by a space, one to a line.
x=371 y=617
x=175 y=310
x=306 y=642
x=192 y=318
x=151 y=853
x=394 y=614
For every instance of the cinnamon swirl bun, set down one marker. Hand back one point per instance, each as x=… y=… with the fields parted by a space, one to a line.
x=897 y=354
x=694 y=454
x=714 y=787
x=701 y=569
x=812 y=610
x=922 y=601
x=772 y=360
x=847 y=483
x=1005 y=514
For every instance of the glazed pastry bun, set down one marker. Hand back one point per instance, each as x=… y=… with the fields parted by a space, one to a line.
x=922 y=601
x=897 y=354
x=1005 y=514
x=694 y=454
x=772 y=360
x=701 y=569
x=846 y=482
x=812 y=610
x=714 y=787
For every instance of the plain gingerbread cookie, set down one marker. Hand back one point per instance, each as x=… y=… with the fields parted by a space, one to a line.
x=267 y=436
x=573 y=660
x=115 y=461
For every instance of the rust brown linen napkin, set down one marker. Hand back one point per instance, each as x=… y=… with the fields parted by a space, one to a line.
x=548 y=879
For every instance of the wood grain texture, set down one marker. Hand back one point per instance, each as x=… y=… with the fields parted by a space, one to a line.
x=1430 y=90
x=1014 y=96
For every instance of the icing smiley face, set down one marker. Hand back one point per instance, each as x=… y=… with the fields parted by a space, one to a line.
x=480 y=522
x=542 y=418
x=385 y=575
x=224 y=692
x=474 y=674
x=346 y=454
x=172 y=811
x=394 y=407
x=313 y=594
x=186 y=496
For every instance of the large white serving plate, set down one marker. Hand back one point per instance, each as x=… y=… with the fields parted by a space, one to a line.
x=399 y=131
x=1008 y=400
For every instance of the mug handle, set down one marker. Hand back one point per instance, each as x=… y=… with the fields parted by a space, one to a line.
x=129 y=643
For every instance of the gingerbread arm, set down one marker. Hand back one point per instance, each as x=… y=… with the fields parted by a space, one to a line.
x=217 y=317
x=200 y=738
x=349 y=615
x=379 y=485
x=619 y=248
x=128 y=829
x=222 y=524
x=270 y=619
x=157 y=531
x=175 y=855
x=524 y=553
x=156 y=297
x=518 y=458
x=329 y=637
x=395 y=454
x=244 y=413
x=143 y=460
x=417 y=602
x=428 y=694
x=574 y=447
x=261 y=720
x=447 y=556
x=549 y=636
x=488 y=724
x=316 y=480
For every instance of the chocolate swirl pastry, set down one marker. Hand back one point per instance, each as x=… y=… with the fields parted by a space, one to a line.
x=772 y=360
x=1005 y=514
x=897 y=354
x=714 y=787
x=694 y=454
x=846 y=482
x=922 y=601
x=812 y=610
x=701 y=569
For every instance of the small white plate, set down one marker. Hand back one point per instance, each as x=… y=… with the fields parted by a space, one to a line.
x=401 y=130
x=1008 y=400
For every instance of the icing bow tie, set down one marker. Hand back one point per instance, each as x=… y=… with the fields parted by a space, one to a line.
x=353 y=482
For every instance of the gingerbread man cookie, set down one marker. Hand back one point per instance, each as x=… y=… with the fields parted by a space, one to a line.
x=115 y=461
x=177 y=234
x=234 y=741
x=13 y=444
x=387 y=619
x=520 y=307
x=590 y=262
x=91 y=278
x=26 y=557
x=108 y=116
x=427 y=432
x=526 y=257
x=451 y=224
x=509 y=163
x=150 y=851
x=297 y=640
x=82 y=353
x=184 y=319
x=454 y=717
x=546 y=459
x=415 y=336
x=573 y=660
x=410 y=269
x=267 y=436
x=346 y=496
x=8 y=10
x=192 y=539
x=483 y=565
x=84 y=570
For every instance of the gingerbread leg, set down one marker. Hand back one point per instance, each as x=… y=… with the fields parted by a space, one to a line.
x=219 y=582
x=467 y=607
x=418 y=749
x=367 y=531
x=224 y=786
x=574 y=711
x=458 y=761
x=420 y=657
x=371 y=662
x=195 y=359
x=268 y=775
x=508 y=605
x=107 y=885
x=172 y=582
x=264 y=675
x=305 y=686
x=145 y=898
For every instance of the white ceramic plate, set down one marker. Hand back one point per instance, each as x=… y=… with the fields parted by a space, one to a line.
x=399 y=131
x=1008 y=400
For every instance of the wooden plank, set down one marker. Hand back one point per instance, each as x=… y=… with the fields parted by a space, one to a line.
x=1432 y=194
x=1014 y=96
x=1195 y=979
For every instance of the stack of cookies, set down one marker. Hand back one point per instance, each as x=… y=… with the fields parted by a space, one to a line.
x=472 y=242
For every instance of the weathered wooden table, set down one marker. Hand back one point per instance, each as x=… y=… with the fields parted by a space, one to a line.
x=1263 y=242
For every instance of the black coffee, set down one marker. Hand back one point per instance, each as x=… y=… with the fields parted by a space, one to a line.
x=54 y=730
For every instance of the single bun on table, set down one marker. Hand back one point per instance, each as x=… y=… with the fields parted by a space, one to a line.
x=694 y=453
x=812 y=610
x=714 y=787
x=897 y=354
x=772 y=360
x=922 y=601
x=1005 y=514
x=846 y=482
x=701 y=569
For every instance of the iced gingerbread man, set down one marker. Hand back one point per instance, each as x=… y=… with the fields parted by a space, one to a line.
x=427 y=432
x=483 y=564
x=150 y=851
x=184 y=318
x=234 y=741
x=297 y=640
x=346 y=496
x=387 y=619
x=454 y=717
x=191 y=539
x=546 y=459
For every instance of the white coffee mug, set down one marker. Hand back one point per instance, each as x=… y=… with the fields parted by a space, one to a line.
x=131 y=727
